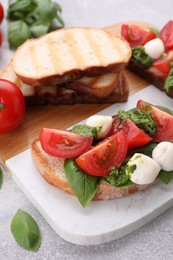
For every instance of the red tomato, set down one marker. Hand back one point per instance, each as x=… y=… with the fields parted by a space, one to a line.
x=1 y=13
x=164 y=63
x=64 y=144
x=109 y=152
x=1 y=38
x=164 y=121
x=135 y=136
x=136 y=35
x=166 y=35
x=12 y=106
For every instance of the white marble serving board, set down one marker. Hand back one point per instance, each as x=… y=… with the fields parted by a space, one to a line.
x=101 y=221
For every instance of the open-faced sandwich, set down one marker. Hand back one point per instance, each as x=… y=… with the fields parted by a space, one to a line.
x=71 y=65
x=109 y=156
x=152 y=54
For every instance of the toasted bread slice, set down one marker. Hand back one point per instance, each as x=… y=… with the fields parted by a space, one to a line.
x=100 y=86
x=52 y=169
x=153 y=75
x=108 y=88
x=68 y=54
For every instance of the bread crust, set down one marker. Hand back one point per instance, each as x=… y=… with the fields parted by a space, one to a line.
x=84 y=91
x=152 y=75
x=56 y=77
x=43 y=164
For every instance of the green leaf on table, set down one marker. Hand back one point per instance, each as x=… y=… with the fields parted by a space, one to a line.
x=82 y=184
x=26 y=231
x=38 y=30
x=18 y=33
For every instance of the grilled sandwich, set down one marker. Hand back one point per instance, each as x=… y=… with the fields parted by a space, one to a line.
x=69 y=66
x=107 y=88
x=69 y=54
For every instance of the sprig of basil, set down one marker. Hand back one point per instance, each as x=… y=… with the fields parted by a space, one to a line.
x=26 y=231
x=18 y=32
x=1 y=178
x=82 y=184
x=32 y=18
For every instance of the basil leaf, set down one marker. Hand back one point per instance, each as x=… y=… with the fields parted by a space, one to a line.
x=18 y=33
x=166 y=109
x=47 y=11
x=82 y=184
x=146 y=149
x=18 y=9
x=60 y=20
x=39 y=30
x=1 y=178
x=169 y=81
x=25 y=231
x=154 y=30
x=141 y=57
x=165 y=177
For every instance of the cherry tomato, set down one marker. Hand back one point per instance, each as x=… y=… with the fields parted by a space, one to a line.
x=12 y=106
x=64 y=144
x=136 y=35
x=1 y=38
x=166 y=35
x=1 y=13
x=135 y=136
x=163 y=120
x=164 y=63
x=110 y=152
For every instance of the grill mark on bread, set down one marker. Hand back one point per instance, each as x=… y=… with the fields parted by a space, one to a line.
x=77 y=55
x=33 y=54
x=94 y=46
x=53 y=54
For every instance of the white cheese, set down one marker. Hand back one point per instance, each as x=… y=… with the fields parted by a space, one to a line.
x=146 y=169
x=163 y=154
x=154 y=48
x=102 y=122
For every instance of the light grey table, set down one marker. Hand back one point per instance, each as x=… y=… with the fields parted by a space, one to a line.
x=154 y=240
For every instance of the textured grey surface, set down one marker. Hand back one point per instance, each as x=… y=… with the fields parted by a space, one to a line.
x=152 y=241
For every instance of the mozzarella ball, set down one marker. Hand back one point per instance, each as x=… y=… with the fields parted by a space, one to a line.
x=154 y=48
x=103 y=123
x=163 y=154
x=146 y=169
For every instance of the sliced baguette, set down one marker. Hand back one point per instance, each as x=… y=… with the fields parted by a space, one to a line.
x=68 y=54
x=52 y=170
x=108 y=88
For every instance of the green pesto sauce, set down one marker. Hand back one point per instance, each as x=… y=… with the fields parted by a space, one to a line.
x=141 y=57
x=120 y=177
x=85 y=130
x=141 y=118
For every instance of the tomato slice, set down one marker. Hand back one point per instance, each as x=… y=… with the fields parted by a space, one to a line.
x=64 y=144
x=1 y=13
x=109 y=152
x=166 y=35
x=136 y=35
x=164 y=63
x=164 y=121
x=135 y=136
